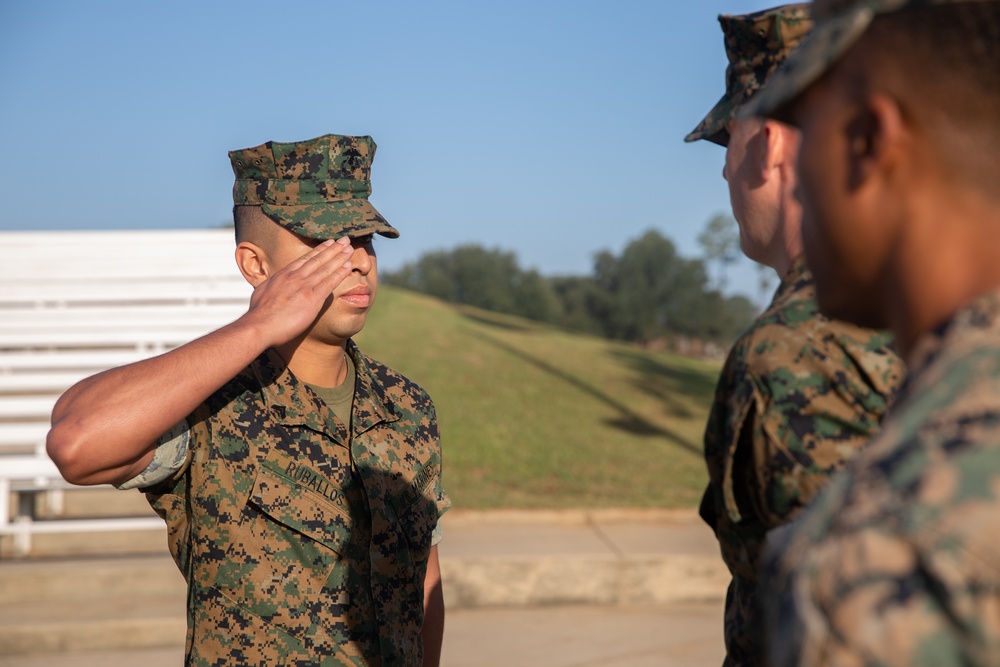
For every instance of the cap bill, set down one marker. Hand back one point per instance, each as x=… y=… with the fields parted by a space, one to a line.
x=713 y=126
x=349 y=217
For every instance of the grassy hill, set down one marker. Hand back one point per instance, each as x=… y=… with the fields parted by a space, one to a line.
x=536 y=417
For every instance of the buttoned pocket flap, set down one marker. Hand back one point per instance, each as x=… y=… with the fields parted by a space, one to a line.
x=308 y=506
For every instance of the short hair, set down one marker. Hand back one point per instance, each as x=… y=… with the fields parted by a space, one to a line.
x=252 y=225
x=943 y=63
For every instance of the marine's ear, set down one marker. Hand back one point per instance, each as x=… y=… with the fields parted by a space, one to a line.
x=877 y=138
x=252 y=262
x=775 y=149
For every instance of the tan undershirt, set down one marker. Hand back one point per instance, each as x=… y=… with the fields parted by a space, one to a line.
x=340 y=399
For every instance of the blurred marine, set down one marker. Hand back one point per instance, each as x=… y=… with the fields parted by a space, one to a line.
x=799 y=394
x=897 y=562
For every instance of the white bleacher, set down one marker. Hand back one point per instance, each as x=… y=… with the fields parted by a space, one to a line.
x=76 y=303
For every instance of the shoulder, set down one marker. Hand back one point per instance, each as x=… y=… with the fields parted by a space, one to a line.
x=395 y=387
x=777 y=339
x=933 y=473
x=793 y=339
x=949 y=411
x=246 y=387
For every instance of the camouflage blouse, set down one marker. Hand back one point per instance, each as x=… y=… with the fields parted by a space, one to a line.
x=798 y=396
x=898 y=561
x=298 y=545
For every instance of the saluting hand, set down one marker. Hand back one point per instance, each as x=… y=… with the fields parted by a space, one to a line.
x=287 y=302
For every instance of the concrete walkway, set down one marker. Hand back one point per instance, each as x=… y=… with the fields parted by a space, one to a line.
x=579 y=557
x=573 y=588
x=683 y=635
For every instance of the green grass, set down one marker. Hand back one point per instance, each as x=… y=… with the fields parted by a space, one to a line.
x=536 y=417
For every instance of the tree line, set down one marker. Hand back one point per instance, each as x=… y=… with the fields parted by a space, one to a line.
x=649 y=294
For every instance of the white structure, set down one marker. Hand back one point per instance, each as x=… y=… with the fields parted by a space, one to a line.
x=75 y=303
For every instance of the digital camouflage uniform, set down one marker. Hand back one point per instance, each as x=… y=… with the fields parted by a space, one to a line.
x=299 y=545
x=303 y=541
x=897 y=562
x=798 y=396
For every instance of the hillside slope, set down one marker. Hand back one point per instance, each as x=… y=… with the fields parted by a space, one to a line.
x=535 y=417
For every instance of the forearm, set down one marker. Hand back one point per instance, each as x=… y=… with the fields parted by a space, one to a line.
x=104 y=428
x=433 y=630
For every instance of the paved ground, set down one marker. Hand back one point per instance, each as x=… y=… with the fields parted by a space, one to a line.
x=560 y=589
x=687 y=635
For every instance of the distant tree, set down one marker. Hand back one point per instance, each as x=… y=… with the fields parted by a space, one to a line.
x=654 y=290
x=488 y=279
x=738 y=313
x=647 y=293
x=536 y=299
x=584 y=305
x=720 y=241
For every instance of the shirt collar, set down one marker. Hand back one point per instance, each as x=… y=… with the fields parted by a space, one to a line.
x=795 y=284
x=976 y=323
x=371 y=405
x=292 y=403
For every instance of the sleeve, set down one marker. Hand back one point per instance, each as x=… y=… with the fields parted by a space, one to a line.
x=443 y=504
x=434 y=490
x=170 y=456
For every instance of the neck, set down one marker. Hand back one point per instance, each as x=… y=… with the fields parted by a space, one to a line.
x=949 y=256
x=788 y=239
x=315 y=362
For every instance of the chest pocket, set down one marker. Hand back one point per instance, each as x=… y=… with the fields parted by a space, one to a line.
x=284 y=563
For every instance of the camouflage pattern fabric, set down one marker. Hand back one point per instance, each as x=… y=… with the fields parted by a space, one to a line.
x=755 y=45
x=898 y=561
x=839 y=24
x=317 y=188
x=798 y=396
x=299 y=546
x=170 y=456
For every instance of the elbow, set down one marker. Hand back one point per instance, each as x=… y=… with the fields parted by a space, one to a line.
x=67 y=451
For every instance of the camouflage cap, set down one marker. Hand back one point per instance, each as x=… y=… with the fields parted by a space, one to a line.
x=317 y=188
x=755 y=44
x=839 y=24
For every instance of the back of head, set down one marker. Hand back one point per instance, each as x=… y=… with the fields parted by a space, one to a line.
x=939 y=59
x=252 y=226
x=756 y=45
x=942 y=65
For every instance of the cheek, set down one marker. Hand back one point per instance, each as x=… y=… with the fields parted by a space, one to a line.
x=741 y=194
x=816 y=192
x=736 y=201
x=842 y=248
x=820 y=224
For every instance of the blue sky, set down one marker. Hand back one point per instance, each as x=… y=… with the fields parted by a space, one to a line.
x=550 y=128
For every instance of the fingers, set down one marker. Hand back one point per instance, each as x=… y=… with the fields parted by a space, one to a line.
x=332 y=264
x=288 y=301
x=319 y=270
x=325 y=252
x=319 y=262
